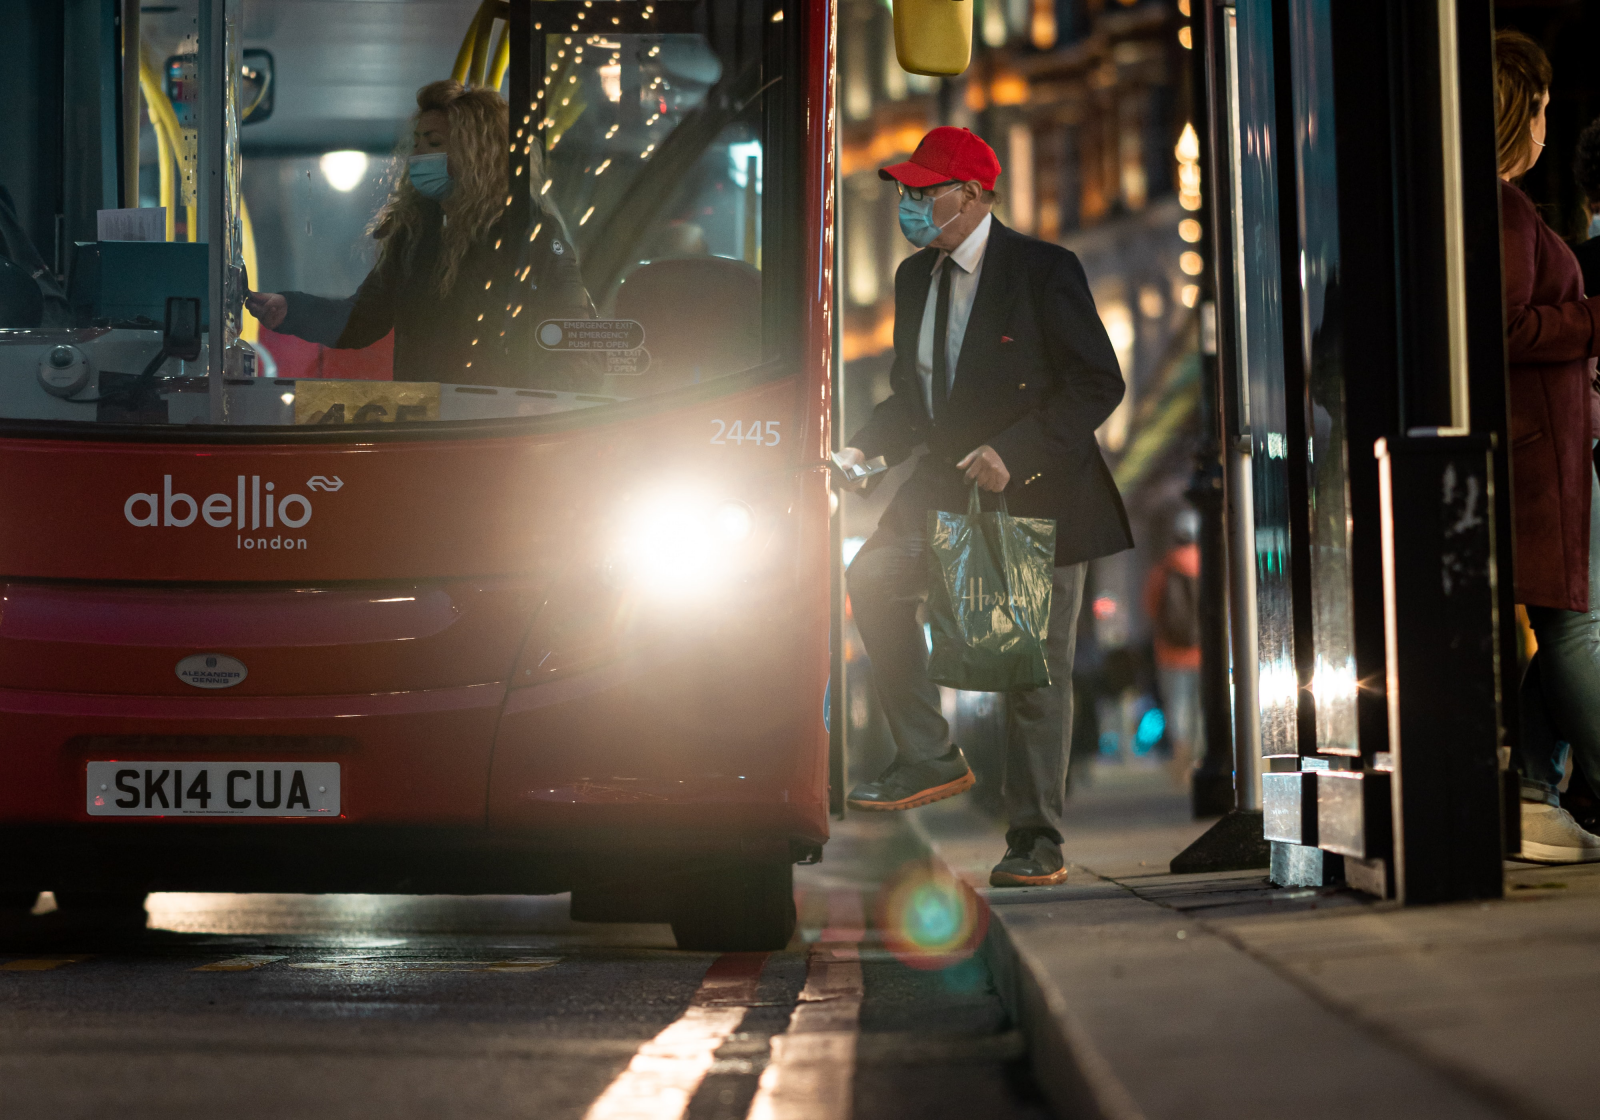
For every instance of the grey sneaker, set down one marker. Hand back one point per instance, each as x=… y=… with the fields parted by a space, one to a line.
x=909 y=785
x=1032 y=860
x=1550 y=835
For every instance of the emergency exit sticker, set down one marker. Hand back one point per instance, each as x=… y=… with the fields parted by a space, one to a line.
x=627 y=363
x=590 y=334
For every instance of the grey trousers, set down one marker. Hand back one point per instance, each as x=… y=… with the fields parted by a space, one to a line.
x=888 y=578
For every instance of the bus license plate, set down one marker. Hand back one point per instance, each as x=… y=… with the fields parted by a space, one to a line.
x=213 y=789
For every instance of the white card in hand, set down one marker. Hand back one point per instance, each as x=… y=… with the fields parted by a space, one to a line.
x=854 y=472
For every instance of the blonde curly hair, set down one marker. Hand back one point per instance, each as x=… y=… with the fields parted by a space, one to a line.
x=480 y=127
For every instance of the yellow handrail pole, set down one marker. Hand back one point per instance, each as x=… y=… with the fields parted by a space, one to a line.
x=156 y=99
x=167 y=117
x=250 y=328
x=464 y=55
x=168 y=193
x=466 y=61
x=502 y=58
x=480 y=44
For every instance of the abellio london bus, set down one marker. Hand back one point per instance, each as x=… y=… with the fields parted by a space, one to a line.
x=266 y=634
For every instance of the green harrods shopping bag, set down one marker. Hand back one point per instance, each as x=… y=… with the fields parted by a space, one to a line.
x=989 y=598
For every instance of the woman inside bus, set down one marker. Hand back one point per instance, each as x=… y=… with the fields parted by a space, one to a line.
x=460 y=289
x=1553 y=336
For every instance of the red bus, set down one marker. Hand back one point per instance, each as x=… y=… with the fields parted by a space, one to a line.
x=527 y=636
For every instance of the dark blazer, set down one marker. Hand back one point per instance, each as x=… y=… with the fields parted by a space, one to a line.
x=1035 y=378
x=434 y=335
x=1552 y=332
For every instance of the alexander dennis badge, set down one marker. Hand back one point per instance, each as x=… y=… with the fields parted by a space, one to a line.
x=989 y=601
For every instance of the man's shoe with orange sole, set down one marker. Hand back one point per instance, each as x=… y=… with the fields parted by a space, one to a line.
x=908 y=785
x=1032 y=860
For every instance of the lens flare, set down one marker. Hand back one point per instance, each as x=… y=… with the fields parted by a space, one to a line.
x=680 y=543
x=929 y=918
x=734 y=521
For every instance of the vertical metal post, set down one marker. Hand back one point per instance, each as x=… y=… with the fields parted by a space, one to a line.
x=1240 y=505
x=524 y=123
x=838 y=685
x=211 y=192
x=1213 y=781
x=1439 y=573
x=89 y=120
x=129 y=135
x=1242 y=620
x=1455 y=287
x=1237 y=841
x=1486 y=341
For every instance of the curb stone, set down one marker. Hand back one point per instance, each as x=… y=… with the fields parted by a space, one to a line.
x=1066 y=1064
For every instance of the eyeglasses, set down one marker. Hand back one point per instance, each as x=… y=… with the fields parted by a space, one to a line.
x=917 y=194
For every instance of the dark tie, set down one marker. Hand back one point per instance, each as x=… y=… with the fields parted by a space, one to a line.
x=941 y=335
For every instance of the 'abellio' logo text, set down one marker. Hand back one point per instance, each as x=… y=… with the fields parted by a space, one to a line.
x=253 y=507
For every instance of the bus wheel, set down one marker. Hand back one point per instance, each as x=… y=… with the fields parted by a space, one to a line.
x=743 y=908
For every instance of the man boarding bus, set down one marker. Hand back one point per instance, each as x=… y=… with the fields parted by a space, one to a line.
x=1003 y=370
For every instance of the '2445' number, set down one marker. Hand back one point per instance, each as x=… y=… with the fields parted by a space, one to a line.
x=756 y=433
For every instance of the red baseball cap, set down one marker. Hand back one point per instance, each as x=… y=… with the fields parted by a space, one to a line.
x=947 y=154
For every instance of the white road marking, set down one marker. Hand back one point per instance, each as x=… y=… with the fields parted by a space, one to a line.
x=812 y=1070
x=237 y=964
x=662 y=1078
x=813 y=1064
x=383 y=964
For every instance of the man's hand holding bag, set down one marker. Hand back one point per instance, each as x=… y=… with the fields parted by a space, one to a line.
x=990 y=581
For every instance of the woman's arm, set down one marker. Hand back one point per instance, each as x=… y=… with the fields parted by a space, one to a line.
x=344 y=324
x=316 y=319
x=1535 y=332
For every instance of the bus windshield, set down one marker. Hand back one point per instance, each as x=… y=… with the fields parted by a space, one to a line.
x=569 y=218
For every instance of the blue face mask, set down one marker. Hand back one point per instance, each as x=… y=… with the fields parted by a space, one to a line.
x=916 y=220
x=1594 y=226
x=430 y=174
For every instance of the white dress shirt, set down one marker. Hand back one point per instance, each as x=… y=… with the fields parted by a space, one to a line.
x=968 y=258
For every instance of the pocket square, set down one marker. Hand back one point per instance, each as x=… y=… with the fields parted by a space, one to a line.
x=1006 y=338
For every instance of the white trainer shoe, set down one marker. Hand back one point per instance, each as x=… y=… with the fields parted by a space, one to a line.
x=1550 y=835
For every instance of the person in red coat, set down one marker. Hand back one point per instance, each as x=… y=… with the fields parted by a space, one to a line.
x=1552 y=337
x=1171 y=603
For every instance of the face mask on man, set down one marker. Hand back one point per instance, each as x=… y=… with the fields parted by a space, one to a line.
x=916 y=219
x=1594 y=225
x=430 y=174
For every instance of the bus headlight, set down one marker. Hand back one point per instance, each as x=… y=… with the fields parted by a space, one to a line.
x=680 y=543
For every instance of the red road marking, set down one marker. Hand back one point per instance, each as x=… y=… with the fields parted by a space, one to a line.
x=731 y=979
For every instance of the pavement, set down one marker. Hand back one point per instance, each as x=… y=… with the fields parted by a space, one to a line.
x=1144 y=994
x=273 y=1006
